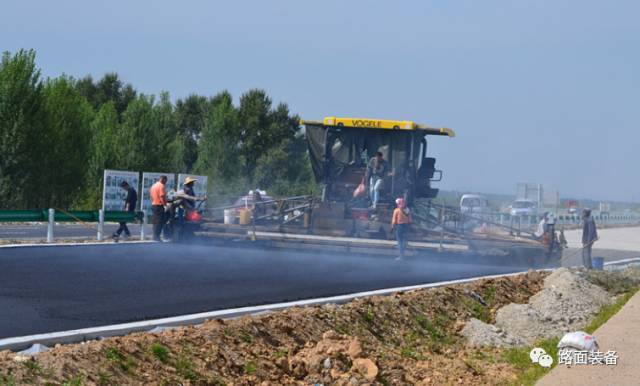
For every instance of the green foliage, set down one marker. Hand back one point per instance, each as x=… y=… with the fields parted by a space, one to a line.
x=33 y=367
x=75 y=381
x=246 y=337
x=250 y=368
x=125 y=364
x=607 y=312
x=57 y=137
x=63 y=146
x=21 y=122
x=7 y=380
x=160 y=352
x=369 y=316
x=530 y=372
x=218 y=149
x=186 y=368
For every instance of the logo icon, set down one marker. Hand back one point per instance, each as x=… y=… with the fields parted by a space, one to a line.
x=539 y=356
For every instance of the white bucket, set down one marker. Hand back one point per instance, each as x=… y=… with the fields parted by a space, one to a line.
x=229 y=216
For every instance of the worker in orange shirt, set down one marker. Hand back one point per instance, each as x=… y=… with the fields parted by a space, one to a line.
x=400 y=221
x=158 y=194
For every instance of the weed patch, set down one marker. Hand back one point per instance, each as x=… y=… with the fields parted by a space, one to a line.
x=160 y=352
x=250 y=368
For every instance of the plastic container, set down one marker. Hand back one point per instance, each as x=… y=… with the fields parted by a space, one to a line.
x=598 y=263
x=229 y=216
x=245 y=216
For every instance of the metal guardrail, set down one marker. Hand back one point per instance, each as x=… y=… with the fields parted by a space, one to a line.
x=452 y=218
x=53 y=215
x=38 y=215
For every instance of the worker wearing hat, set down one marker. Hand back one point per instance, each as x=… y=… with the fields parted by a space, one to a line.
x=188 y=195
x=181 y=203
x=400 y=220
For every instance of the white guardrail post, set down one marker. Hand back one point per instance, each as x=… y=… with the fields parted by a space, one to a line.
x=100 y=224
x=52 y=219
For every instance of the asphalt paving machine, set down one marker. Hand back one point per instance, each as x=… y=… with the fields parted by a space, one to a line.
x=339 y=219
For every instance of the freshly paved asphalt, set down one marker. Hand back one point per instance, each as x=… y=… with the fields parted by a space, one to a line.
x=46 y=289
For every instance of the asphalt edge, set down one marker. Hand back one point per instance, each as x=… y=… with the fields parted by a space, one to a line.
x=91 y=333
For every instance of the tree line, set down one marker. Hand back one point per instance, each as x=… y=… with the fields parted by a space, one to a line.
x=57 y=135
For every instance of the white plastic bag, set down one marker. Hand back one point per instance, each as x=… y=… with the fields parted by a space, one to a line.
x=578 y=340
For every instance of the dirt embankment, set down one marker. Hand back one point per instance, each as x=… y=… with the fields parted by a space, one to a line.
x=406 y=338
x=566 y=303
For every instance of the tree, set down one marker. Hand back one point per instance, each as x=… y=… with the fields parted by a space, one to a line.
x=285 y=169
x=106 y=152
x=218 y=154
x=253 y=116
x=108 y=89
x=141 y=141
x=63 y=145
x=21 y=120
x=191 y=114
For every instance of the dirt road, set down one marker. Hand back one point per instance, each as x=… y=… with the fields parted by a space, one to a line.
x=619 y=334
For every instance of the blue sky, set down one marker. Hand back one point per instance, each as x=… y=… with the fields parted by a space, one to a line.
x=538 y=91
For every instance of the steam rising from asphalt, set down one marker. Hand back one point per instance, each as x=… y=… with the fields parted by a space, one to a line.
x=65 y=287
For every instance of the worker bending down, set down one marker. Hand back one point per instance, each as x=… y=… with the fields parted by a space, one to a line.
x=181 y=205
x=400 y=221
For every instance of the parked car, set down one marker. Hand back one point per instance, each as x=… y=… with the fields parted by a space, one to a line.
x=524 y=208
x=474 y=205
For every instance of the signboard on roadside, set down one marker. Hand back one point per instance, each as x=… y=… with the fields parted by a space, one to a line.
x=149 y=179
x=113 y=195
x=200 y=187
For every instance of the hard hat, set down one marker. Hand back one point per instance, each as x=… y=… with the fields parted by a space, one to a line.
x=189 y=180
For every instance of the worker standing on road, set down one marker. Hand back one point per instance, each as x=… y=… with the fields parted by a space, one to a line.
x=400 y=220
x=129 y=206
x=158 y=195
x=589 y=236
x=377 y=170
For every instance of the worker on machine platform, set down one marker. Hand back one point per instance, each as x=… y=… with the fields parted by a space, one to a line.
x=377 y=171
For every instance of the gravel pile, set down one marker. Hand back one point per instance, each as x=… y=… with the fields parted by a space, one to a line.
x=566 y=303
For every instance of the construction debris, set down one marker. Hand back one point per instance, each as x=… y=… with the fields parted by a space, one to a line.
x=566 y=303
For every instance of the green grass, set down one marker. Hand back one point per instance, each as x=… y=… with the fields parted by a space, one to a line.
x=607 y=312
x=75 y=381
x=246 y=337
x=250 y=368
x=7 y=380
x=104 y=378
x=33 y=367
x=186 y=368
x=532 y=372
x=489 y=294
x=114 y=355
x=410 y=352
x=479 y=311
x=160 y=352
x=369 y=316
x=282 y=353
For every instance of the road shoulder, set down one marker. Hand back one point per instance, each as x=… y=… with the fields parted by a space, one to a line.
x=618 y=334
